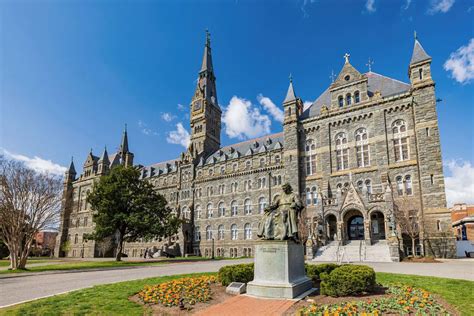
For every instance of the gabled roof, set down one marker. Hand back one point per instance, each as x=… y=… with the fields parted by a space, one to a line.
x=419 y=54
x=376 y=82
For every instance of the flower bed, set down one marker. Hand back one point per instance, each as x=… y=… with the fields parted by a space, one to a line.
x=403 y=300
x=191 y=290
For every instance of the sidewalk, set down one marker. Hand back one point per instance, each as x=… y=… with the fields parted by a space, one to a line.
x=243 y=305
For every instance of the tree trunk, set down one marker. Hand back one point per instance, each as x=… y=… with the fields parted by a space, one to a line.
x=118 y=256
x=413 y=248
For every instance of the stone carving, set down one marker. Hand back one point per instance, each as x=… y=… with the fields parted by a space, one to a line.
x=280 y=219
x=352 y=197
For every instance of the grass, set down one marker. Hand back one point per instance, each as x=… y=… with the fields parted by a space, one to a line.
x=6 y=263
x=112 y=299
x=458 y=293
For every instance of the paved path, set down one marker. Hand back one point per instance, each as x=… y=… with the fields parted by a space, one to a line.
x=245 y=305
x=19 y=288
x=453 y=269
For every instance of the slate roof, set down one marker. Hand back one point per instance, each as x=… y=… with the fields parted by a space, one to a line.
x=376 y=82
x=419 y=54
x=290 y=95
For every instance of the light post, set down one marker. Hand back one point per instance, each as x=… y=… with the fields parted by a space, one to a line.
x=212 y=254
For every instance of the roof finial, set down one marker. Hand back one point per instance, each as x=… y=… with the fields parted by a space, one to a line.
x=416 y=36
x=208 y=38
x=72 y=159
x=346 y=56
x=291 y=78
x=125 y=130
x=369 y=64
x=332 y=76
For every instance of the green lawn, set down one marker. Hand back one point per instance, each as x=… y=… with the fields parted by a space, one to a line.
x=112 y=299
x=5 y=263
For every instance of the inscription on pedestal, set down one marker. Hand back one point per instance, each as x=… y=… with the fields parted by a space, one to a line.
x=273 y=250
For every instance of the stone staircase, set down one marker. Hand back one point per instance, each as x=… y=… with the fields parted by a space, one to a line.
x=354 y=251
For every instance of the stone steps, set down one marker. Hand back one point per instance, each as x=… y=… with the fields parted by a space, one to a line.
x=354 y=251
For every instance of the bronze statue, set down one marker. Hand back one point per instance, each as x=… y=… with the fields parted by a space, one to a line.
x=280 y=220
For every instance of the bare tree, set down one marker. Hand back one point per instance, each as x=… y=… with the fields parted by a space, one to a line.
x=104 y=245
x=29 y=202
x=408 y=219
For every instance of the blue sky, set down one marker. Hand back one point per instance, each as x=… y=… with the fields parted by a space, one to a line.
x=74 y=72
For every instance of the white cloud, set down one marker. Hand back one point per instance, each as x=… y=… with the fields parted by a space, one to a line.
x=303 y=7
x=461 y=63
x=180 y=136
x=442 y=6
x=244 y=120
x=407 y=4
x=307 y=104
x=370 y=6
x=182 y=107
x=168 y=117
x=270 y=107
x=145 y=129
x=36 y=163
x=460 y=185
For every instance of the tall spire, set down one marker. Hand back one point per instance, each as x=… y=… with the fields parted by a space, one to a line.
x=124 y=144
x=72 y=169
x=105 y=156
x=207 y=57
x=290 y=95
x=419 y=53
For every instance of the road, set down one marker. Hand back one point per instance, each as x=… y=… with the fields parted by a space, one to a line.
x=19 y=288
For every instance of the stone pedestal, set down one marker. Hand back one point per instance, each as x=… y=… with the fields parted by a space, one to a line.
x=279 y=270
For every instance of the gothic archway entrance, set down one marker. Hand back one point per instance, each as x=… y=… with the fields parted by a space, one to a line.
x=354 y=225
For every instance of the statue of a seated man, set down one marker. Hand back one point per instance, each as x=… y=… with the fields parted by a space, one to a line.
x=280 y=220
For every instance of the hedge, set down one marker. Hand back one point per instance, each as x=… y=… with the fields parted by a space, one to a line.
x=235 y=273
x=313 y=271
x=348 y=280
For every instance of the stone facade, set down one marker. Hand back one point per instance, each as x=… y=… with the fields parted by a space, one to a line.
x=367 y=142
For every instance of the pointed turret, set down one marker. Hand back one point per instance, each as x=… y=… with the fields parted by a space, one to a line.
x=290 y=95
x=126 y=157
x=104 y=162
x=207 y=58
x=419 y=54
x=419 y=70
x=124 y=144
x=72 y=169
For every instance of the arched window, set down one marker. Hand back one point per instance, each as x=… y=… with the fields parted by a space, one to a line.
x=399 y=185
x=221 y=209
x=362 y=148
x=234 y=167
x=211 y=172
x=76 y=238
x=310 y=149
x=420 y=73
x=360 y=185
x=264 y=183
x=308 y=196
x=400 y=140
x=247 y=207
x=186 y=213
x=368 y=186
x=209 y=210
x=342 y=152
x=348 y=99
x=356 y=97
x=247 y=231
x=198 y=211
x=197 y=233
x=340 y=101
x=248 y=164
x=233 y=208
x=208 y=232
x=262 y=162
x=314 y=194
x=277 y=159
x=408 y=185
x=262 y=203
x=220 y=232
x=233 y=232
x=222 y=170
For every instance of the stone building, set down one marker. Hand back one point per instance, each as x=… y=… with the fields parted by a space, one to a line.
x=365 y=143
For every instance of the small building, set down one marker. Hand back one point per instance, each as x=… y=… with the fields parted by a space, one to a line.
x=462 y=219
x=44 y=243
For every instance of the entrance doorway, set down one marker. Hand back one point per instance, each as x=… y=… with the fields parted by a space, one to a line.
x=331 y=227
x=355 y=228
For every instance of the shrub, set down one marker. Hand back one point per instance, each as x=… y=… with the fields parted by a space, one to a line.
x=313 y=271
x=348 y=280
x=235 y=273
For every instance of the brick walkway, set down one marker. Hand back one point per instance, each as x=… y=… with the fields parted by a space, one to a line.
x=243 y=305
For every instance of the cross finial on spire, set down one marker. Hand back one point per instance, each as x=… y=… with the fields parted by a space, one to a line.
x=332 y=76
x=291 y=78
x=346 y=56
x=208 y=38
x=369 y=64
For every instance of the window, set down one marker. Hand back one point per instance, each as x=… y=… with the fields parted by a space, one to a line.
x=400 y=141
x=248 y=165
x=197 y=234
x=431 y=179
x=233 y=232
x=198 y=211
x=356 y=97
x=360 y=185
x=211 y=172
x=221 y=209
x=399 y=185
x=85 y=221
x=234 y=167
x=78 y=222
x=408 y=185
x=264 y=183
x=208 y=232
x=348 y=99
x=209 y=210
x=186 y=213
x=233 y=208
x=342 y=152
x=247 y=231
x=76 y=238
x=362 y=148
x=438 y=225
x=368 y=186
x=340 y=101
x=262 y=162
x=310 y=149
x=308 y=196
x=262 y=203
x=277 y=159
x=222 y=170
x=220 y=232
x=420 y=73
x=247 y=207
x=314 y=194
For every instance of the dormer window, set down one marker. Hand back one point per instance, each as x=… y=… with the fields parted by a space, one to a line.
x=348 y=99
x=356 y=97
x=341 y=101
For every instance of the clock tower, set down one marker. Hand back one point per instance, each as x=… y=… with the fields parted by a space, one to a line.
x=205 y=110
